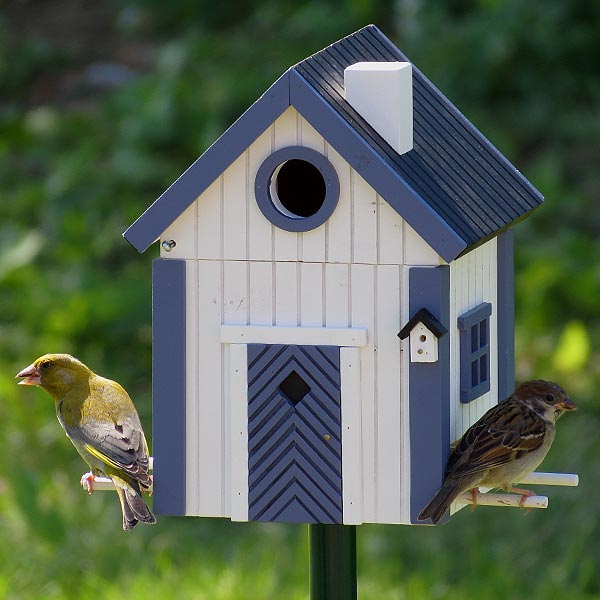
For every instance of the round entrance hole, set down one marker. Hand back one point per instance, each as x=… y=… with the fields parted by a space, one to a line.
x=298 y=188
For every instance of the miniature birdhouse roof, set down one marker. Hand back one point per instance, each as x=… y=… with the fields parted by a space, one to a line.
x=453 y=187
x=426 y=318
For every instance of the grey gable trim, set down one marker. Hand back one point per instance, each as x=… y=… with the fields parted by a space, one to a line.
x=168 y=385
x=209 y=166
x=369 y=164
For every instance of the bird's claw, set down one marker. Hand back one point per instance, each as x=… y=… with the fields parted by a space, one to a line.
x=524 y=495
x=87 y=482
x=149 y=490
x=474 y=493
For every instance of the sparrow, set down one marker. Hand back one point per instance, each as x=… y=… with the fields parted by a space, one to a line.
x=100 y=419
x=507 y=443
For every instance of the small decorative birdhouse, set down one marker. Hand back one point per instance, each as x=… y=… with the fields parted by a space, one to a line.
x=351 y=202
x=423 y=330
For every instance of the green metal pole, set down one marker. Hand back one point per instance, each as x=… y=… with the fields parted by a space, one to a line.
x=332 y=562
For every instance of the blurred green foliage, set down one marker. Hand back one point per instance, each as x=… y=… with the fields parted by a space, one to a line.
x=102 y=108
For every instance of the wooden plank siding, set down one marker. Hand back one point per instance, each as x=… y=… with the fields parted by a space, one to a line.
x=473 y=280
x=255 y=293
x=363 y=228
x=351 y=272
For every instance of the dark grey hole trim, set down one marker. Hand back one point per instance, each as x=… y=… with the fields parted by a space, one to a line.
x=288 y=175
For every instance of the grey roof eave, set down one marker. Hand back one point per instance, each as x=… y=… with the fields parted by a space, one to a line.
x=293 y=89
x=202 y=172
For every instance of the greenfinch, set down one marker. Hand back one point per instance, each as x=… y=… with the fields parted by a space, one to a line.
x=100 y=419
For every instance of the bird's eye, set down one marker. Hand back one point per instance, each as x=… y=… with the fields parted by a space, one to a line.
x=45 y=365
x=549 y=398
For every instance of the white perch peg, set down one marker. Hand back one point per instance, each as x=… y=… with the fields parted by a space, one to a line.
x=504 y=500
x=566 y=479
x=103 y=484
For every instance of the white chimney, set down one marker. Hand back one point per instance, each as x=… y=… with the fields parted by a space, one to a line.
x=382 y=93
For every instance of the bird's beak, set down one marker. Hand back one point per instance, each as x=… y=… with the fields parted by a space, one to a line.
x=31 y=376
x=566 y=404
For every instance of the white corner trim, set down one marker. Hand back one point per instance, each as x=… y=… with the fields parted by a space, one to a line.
x=312 y=336
x=238 y=423
x=352 y=473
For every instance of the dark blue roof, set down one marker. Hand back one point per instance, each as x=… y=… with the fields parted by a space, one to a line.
x=454 y=188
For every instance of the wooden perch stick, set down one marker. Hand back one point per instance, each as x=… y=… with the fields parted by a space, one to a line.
x=504 y=500
x=567 y=479
x=103 y=484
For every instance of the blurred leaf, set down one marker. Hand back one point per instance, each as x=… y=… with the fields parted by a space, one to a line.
x=573 y=349
x=17 y=253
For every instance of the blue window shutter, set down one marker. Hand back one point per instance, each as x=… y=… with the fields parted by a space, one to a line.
x=474 y=327
x=168 y=386
x=429 y=391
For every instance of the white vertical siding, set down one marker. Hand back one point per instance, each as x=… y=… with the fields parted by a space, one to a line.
x=363 y=200
x=349 y=272
x=333 y=295
x=235 y=198
x=363 y=307
x=352 y=487
x=225 y=223
x=192 y=407
x=473 y=280
x=238 y=415
x=388 y=394
x=260 y=230
x=339 y=225
x=206 y=364
x=312 y=296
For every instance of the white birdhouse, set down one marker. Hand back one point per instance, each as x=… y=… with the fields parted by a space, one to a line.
x=291 y=254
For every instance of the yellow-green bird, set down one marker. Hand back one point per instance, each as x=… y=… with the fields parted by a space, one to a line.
x=100 y=419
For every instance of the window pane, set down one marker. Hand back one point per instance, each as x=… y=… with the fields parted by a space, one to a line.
x=475 y=338
x=474 y=373
x=483 y=368
x=483 y=334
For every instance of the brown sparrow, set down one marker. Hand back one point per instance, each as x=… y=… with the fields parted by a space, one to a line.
x=506 y=444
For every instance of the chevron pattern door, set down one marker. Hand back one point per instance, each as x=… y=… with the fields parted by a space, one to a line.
x=294 y=434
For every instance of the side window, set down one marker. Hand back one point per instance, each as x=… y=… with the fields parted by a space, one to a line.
x=474 y=327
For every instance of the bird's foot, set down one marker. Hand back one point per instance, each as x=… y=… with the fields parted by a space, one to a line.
x=474 y=493
x=525 y=494
x=149 y=490
x=87 y=482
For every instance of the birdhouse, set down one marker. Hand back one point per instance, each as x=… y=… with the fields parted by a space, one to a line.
x=333 y=302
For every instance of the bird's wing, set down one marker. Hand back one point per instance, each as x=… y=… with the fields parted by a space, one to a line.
x=109 y=429
x=508 y=431
x=119 y=444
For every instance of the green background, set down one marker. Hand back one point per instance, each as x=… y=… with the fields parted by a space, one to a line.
x=102 y=105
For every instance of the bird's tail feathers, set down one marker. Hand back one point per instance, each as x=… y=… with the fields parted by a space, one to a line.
x=132 y=504
x=440 y=503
